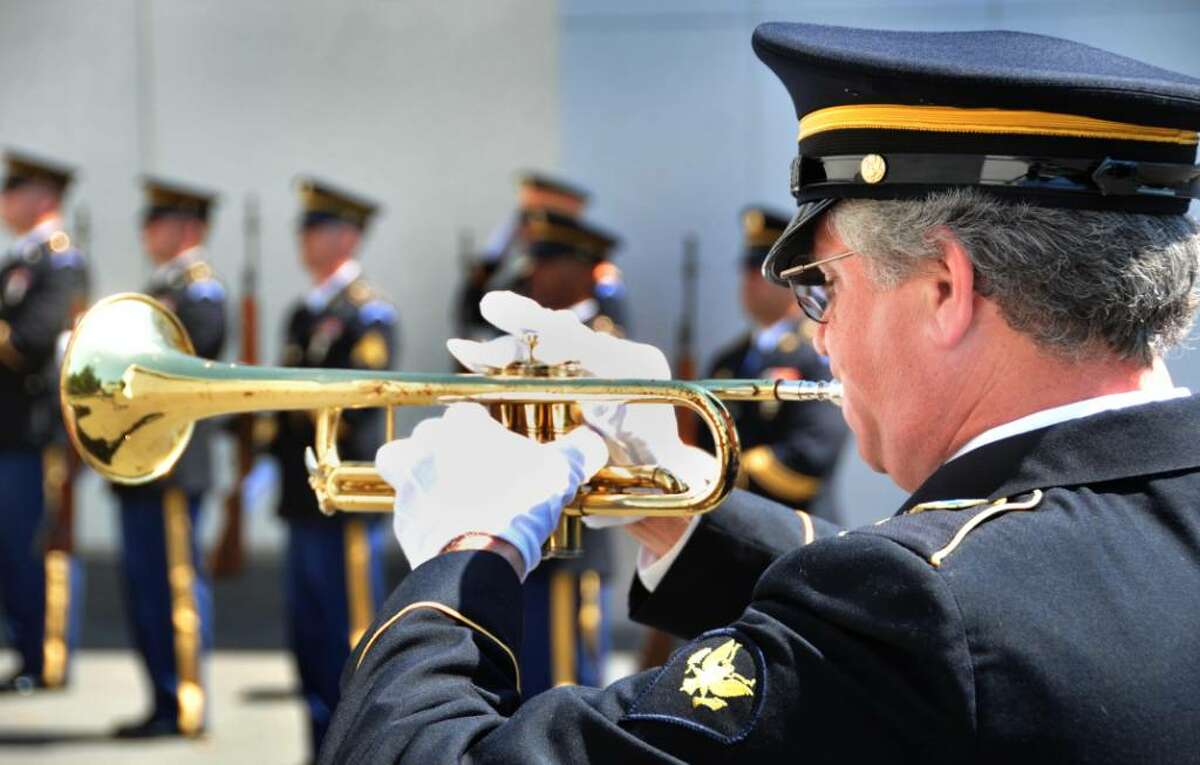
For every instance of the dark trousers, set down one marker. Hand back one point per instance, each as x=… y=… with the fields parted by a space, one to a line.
x=563 y=642
x=168 y=598
x=333 y=587
x=41 y=593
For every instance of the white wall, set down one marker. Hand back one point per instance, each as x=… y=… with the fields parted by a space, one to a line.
x=428 y=106
x=675 y=124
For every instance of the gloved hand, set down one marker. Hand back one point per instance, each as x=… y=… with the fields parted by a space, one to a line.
x=639 y=434
x=464 y=472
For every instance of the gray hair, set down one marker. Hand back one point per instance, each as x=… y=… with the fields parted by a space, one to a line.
x=1078 y=282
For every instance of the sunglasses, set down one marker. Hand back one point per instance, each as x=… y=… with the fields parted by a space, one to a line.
x=812 y=298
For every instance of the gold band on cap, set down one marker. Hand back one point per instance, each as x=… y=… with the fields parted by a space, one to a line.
x=950 y=119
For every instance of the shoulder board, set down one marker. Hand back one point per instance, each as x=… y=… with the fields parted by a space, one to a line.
x=377 y=311
x=934 y=530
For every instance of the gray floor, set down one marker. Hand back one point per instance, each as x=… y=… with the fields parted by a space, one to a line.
x=255 y=715
x=256 y=718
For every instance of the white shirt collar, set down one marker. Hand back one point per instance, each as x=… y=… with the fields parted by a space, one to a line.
x=1073 y=411
x=766 y=339
x=318 y=297
x=585 y=310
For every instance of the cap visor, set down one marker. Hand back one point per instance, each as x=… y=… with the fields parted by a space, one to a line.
x=795 y=244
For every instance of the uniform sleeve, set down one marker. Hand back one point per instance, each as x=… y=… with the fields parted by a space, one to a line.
x=34 y=329
x=851 y=649
x=726 y=555
x=202 y=311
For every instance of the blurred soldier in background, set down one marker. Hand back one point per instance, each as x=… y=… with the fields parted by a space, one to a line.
x=333 y=570
x=167 y=591
x=789 y=452
x=610 y=293
x=502 y=263
x=43 y=281
x=567 y=613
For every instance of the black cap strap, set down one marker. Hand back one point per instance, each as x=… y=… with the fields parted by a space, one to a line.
x=814 y=176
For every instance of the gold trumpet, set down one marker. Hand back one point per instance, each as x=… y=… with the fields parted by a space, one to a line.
x=132 y=389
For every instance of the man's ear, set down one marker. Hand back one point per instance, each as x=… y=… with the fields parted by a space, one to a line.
x=952 y=293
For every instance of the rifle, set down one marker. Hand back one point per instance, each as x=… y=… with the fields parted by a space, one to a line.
x=685 y=355
x=227 y=556
x=60 y=463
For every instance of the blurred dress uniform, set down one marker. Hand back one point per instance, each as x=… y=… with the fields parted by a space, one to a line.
x=789 y=451
x=43 y=284
x=503 y=263
x=167 y=588
x=333 y=572
x=567 y=602
x=1035 y=599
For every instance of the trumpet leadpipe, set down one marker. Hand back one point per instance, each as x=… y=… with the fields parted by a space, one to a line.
x=774 y=390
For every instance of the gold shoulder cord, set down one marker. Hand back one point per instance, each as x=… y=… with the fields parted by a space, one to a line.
x=1001 y=505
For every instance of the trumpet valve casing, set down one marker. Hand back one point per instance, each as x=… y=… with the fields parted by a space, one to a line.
x=542 y=422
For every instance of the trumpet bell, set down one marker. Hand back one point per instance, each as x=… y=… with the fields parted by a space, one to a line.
x=126 y=445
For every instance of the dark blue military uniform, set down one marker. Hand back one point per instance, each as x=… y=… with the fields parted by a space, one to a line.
x=333 y=570
x=789 y=451
x=43 y=281
x=167 y=589
x=333 y=576
x=1009 y=613
x=1034 y=600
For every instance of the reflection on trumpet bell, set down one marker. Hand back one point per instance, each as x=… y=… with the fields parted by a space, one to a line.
x=131 y=390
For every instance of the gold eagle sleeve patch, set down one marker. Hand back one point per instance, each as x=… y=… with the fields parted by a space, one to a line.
x=715 y=685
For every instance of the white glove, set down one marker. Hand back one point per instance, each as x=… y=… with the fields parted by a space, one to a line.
x=640 y=434
x=464 y=472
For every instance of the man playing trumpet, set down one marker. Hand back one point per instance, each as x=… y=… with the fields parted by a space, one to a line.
x=992 y=237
